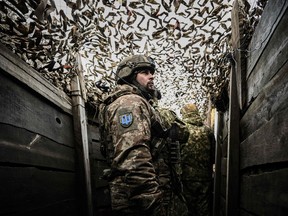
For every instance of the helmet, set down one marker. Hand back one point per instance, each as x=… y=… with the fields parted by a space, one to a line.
x=188 y=108
x=168 y=116
x=133 y=63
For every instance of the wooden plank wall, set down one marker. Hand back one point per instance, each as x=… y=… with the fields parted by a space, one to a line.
x=100 y=189
x=221 y=155
x=37 y=155
x=81 y=144
x=232 y=180
x=263 y=96
x=264 y=127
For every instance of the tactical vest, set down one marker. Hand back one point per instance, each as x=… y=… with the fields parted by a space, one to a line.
x=165 y=146
x=105 y=135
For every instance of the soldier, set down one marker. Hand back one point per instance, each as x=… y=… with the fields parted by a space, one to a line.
x=128 y=124
x=168 y=160
x=197 y=163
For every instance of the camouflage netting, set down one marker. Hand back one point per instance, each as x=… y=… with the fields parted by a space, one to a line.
x=189 y=41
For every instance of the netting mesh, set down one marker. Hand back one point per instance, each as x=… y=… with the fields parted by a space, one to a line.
x=189 y=41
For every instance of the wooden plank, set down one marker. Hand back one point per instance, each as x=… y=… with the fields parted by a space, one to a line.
x=268 y=144
x=80 y=70
x=224 y=147
x=222 y=206
x=32 y=191
x=245 y=213
x=223 y=179
x=224 y=166
x=97 y=172
x=272 y=99
x=22 y=108
x=94 y=143
x=232 y=192
x=265 y=193
x=92 y=114
x=218 y=155
x=96 y=152
x=20 y=146
x=93 y=133
x=225 y=125
x=270 y=18
x=82 y=148
x=239 y=53
x=100 y=188
x=12 y=64
x=272 y=59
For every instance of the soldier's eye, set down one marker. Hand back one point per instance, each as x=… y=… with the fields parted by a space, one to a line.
x=146 y=72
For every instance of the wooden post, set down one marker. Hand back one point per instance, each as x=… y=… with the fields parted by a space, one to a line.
x=232 y=181
x=79 y=69
x=239 y=47
x=236 y=102
x=81 y=137
x=217 y=177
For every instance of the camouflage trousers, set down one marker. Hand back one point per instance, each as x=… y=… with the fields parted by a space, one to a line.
x=174 y=206
x=198 y=196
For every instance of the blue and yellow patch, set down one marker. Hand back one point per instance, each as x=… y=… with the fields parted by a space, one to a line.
x=126 y=120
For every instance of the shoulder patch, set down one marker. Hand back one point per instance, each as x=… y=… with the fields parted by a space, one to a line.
x=126 y=119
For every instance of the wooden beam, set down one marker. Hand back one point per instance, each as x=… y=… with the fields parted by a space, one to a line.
x=82 y=149
x=232 y=191
x=268 y=144
x=217 y=177
x=265 y=192
x=236 y=98
x=239 y=50
x=80 y=71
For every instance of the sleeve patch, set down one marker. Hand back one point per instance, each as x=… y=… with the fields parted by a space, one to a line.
x=126 y=119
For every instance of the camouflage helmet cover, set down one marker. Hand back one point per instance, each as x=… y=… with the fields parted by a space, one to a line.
x=188 y=108
x=168 y=117
x=133 y=63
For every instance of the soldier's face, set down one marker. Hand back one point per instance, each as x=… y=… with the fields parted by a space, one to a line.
x=145 y=78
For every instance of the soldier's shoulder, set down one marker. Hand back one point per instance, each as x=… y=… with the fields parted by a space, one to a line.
x=131 y=100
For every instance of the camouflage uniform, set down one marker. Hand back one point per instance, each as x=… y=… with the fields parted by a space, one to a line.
x=197 y=163
x=128 y=124
x=134 y=141
x=128 y=120
x=169 y=173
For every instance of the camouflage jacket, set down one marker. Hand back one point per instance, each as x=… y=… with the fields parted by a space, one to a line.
x=167 y=162
x=198 y=153
x=127 y=120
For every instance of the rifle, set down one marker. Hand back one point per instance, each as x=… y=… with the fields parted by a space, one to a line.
x=175 y=138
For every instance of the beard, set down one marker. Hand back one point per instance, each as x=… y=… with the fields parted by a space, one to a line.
x=147 y=90
x=153 y=91
x=150 y=87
